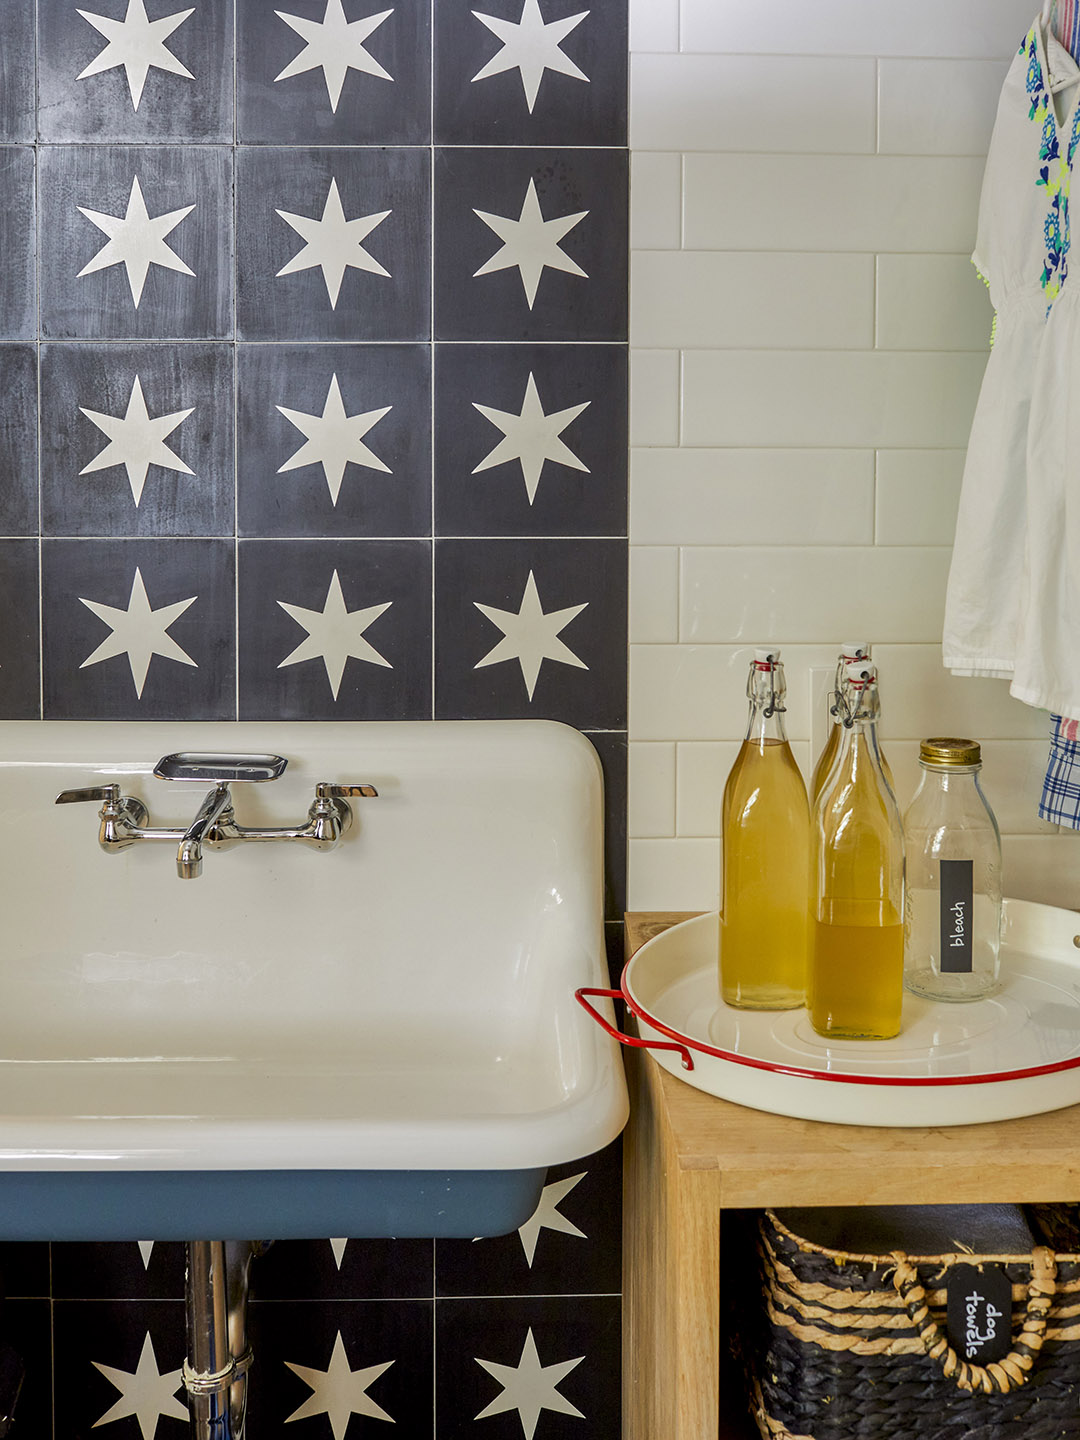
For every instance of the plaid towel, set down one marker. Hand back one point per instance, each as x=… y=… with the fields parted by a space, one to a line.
x=1060 y=802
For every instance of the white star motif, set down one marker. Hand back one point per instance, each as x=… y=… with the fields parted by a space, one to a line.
x=531 y=437
x=531 y=46
x=338 y=1391
x=136 y=43
x=334 y=634
x=338 y=1247
x=138 y=632
x=333 y=243
x=146 y=1249
x=136 y=241
x=531 y=243
x=530 y=637
x=334 y=439
x=530 y=1387
x=334 y=44
x=146 y=1394
x=546 y=1215
x=136 y=441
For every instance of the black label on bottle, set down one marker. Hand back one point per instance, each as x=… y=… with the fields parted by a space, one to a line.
x=956 y=908
x=980 y=1313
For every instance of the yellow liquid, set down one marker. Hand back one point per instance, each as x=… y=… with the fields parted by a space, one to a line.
x=856 y=982
x=825 y=763
x=763 y=922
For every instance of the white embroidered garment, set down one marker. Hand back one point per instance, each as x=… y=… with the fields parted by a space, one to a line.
x=1014 y=587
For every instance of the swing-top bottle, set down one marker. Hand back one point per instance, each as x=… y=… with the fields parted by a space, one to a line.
x=856 y=970
x=850 y=652
x=765 y=833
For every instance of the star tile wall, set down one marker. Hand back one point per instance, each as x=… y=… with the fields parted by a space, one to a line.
x=313 y=348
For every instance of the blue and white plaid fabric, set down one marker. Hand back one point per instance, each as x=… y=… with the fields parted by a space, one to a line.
x=1060 y=802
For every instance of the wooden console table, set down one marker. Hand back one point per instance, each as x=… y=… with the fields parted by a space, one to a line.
x=690 y=1156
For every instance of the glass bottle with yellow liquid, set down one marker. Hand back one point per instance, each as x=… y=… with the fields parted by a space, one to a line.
x=765 y=826
x=856 y=969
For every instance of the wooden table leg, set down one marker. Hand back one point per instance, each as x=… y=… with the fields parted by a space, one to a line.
x=671 y=1274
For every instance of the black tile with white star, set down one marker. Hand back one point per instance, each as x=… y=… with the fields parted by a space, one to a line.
x=17 y=67
x=344 y=1270
x=19 y=441
x=26 y=1346
x=318 y=1365
x=118 y=1270
x=142 y=70
x=570 y=1243
x=24 y=1269
x=333 y=244
x=530 y=440
x=119 y=1362
x=334 y=440
x=334 y=72
x=531 y=629
x=136 y=242
x=137 y=439
x=18 y=285
x=20 y=683
x=530 y=72
x=530 y=244
x=335 y=629
x=543 y=1365
x=138 y=629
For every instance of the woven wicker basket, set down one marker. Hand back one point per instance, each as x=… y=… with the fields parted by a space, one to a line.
x=846 y=1346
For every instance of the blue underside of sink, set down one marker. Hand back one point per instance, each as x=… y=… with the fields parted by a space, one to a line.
x=264 y=1204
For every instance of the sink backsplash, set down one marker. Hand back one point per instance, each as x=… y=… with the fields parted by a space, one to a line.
x=340 y=433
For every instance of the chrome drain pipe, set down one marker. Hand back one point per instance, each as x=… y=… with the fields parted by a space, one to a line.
x=218 y=1355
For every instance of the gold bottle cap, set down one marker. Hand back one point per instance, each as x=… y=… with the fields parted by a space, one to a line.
x=950 y=751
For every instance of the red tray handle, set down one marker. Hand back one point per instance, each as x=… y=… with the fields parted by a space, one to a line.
x=579 y=996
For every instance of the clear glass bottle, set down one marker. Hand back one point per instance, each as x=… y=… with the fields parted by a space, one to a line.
x=856 y=973
x=952 y=930
x=765 y=825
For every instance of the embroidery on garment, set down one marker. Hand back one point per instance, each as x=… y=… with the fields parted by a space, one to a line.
x=1055 y=172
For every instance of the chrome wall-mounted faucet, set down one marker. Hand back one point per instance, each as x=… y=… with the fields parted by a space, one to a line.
x=123 y=818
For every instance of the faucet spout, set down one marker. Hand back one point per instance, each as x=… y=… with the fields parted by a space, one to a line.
x=189 y=853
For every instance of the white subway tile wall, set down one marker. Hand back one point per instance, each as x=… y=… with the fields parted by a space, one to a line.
x=808 y=339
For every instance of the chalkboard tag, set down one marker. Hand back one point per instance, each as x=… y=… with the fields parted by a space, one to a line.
x=956 y=907
x=980 y=1313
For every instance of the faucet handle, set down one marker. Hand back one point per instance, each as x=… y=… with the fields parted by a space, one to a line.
x=110 y=794
x=324 y=790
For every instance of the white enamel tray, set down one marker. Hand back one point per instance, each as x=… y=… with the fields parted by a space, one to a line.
x=1016 y=1053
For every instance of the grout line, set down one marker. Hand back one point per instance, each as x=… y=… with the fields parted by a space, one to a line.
x=553 y=1295
x=431 y=338
x=830 y=56
x=236 y=356
x=37 y=435
x=299 y=340
x=334 y=539
x=431 y=342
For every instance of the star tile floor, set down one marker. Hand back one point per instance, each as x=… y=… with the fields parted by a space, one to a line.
x=313 y=324
x=345 y=1332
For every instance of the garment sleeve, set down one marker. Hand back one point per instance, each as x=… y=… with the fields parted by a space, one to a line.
x=982 y=257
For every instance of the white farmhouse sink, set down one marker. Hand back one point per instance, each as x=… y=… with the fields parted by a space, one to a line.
x=381 y=1039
